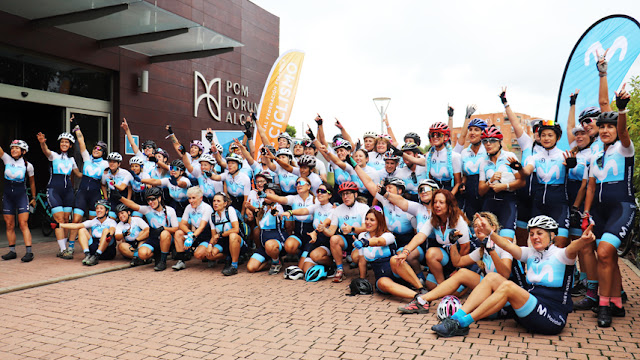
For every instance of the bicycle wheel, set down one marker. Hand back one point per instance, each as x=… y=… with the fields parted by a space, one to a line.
x=45 y=223
x=630 y=239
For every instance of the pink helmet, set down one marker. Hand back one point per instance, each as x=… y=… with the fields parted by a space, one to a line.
x=448 y=306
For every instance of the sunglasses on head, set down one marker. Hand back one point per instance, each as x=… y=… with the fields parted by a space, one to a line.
x=435 y=135
x=377 y=208
x=548 y=123
x=323 y=191
x=301 y=183
x=490 y=140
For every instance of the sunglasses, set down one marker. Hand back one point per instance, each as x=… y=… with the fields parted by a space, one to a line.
x=490 y=141
x=587 y=121
x=152 y=198
x=377 y=208
x=149 y=147
x=174 y=168
x=424 y=189
x=301 y=183
x=323 y=191
x=435 y=135
x=548 y=123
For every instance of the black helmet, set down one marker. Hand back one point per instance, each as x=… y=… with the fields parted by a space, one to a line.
x=360 y=287
x=153 y=192
x=105 y=203
x=336 y=137
x=273 y=186
x=179 y=164
x=609 y=117
x=122 y=207
x=265 y=175
x=413 y=136
x=589 y=113
x=149 y=143
x=555 y=127
x=411 y=147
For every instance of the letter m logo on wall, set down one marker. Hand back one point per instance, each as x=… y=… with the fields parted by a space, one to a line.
x=213 y=100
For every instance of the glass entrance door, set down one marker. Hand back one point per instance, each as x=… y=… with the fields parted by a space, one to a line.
x=95 y=126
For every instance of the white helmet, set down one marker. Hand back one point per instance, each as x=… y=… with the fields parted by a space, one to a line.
x=114 y=156
x=134 y=160
x=307 y=160
x=219 y=148
x=293 y=273
x=68 y=136
x=21 y=144
x=208 y=158
x=543 y=222
x=285 y=135
x=576 y=129
x=448 y=306
x=285 y=152
x=370 y=134
x=430 y=183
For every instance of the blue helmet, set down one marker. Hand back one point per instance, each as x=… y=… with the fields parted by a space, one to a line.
x=316 y=273
x=479 y=123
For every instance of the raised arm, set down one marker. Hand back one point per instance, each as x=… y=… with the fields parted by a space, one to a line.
x=115 y=196
x=263 y=134
x=503 y=243
x=364 y=177
x=174 y=141
x=332 y=157
x=187 y=163
x=517 y=127
x=245 y=152
x=622 y=99
x=399 y=201
x=321 y=136
x=125 y=127
x=603 y=91
x=82 y=146
x=394 y=141
x=43 y=144
x=343 y=131
x=471 y=109
x=571 y=121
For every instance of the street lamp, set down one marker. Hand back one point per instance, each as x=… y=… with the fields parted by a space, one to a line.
x=382 y=104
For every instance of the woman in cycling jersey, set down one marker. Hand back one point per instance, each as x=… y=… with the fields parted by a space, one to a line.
x=449 y=226
x=544 y=305
x=361 y=159
x=60 y=188
x=471 y=158
x=17 y=171
x=413 y=173
x=136 y=169
x=498 y=182
x=376 y=157
x=202 y=175
x=194 y=232
x=253 y=205
x=131 y=232
x=146 y=151
x=610 y=200
x=99 y=243
x=490 y=258
x=177 y=184
x=341 y=148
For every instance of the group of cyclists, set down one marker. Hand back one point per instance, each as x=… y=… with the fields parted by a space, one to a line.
x=455 y=220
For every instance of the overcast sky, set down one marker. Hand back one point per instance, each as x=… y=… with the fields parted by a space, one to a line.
x=425 y=54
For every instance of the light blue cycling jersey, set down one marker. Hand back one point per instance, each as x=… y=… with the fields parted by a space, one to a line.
x=96 y=228
x=376 y=160
x=583 y=159
x=92 y=167
x=470 y=160
x=62 y=164
x=597 y=145
x=176 y=192
x=376 y=253
x=489 y=265
x=488 y=168
x=296 y=202
x=156 y=219
x=443 y=237
x=194 y=216
x=549 y=166
x=287 y=180
x=398 y=221
x=546 y=268
x=421 y=213
x=320 y=212
x=148 y=167
x=133 y=228
x=270 y=221
x=238 y=185
x=352 y=216
x=437 y=161
x=613 y=172
x=220 y=222
x=16 y=170
x=340 y=176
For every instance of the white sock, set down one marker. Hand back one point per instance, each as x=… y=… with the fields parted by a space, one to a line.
x=421 y=301
x=63 y=244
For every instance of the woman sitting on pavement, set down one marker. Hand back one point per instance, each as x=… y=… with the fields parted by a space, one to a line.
x=99 y=244
x=546 y=303
x=131 y=232
x=225 y=241
x=193 y=232
x=490 y=257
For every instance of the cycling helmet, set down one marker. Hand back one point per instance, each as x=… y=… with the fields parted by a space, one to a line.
x=286 y=152
x=309 y=144
x=122 y=207
x=20 y=144
x=236 y=158
x=360 y=287
x=273 y=186
x=163 y=153
x=335 y=138
x=347 y=186
x=441 y=128
x=316 y=273
x=307 y=160
x=369 y=134
x=479 y=123
x=389 y=155
x=264 y=175
x=197 y=143
x=492 y=132
x=233 y=146
x=535 y=124
x=105 y=203
x=543 y=222
x=430 y=183
x=208 y=158
x=577 y=129
x=149 y=143
x=293 y=273
x=395 y=181
x=413 y=136
x=153 y=191
x=589 y=113
x=448 y=306
x=103 y=145
x=68 y=136
x=114 y=156
x=341 y=143
x=136 y=160
x=609 y=117
x=219 y=148
x=384 y=136
x=555 y=127
x=411 y=147
x=285 y=136
x=179 y=164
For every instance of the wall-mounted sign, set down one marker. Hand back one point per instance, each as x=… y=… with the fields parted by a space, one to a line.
x=226 y=100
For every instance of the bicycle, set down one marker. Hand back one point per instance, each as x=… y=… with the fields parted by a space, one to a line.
x=41 y=214
x=633 y=236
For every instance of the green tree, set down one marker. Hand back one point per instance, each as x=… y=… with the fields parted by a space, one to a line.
x=633 y=87
x=291 y=130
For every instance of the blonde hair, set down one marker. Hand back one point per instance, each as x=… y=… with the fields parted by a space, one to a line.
x=493 y=222
x=195 y=191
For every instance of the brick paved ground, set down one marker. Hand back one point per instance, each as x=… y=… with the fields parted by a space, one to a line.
x=200 y=314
